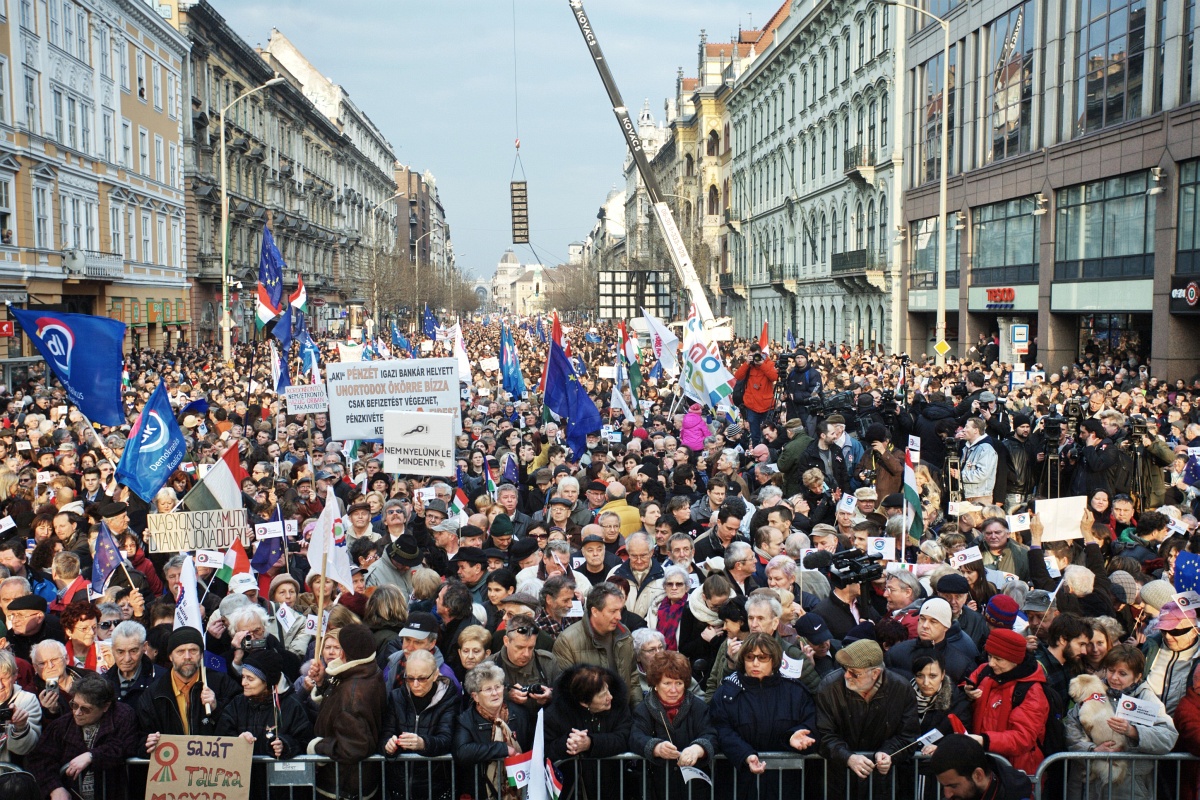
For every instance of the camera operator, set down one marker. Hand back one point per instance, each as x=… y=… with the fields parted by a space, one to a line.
x=1140 y=449
x=976 y=385
x=758 y=400
x=882 y=466
x=937 y=411
x=803 y=382
x=1093 y=457
x=1024 y=456
x=999 y=422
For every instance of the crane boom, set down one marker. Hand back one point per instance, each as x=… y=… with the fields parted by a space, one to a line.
x=662 y=212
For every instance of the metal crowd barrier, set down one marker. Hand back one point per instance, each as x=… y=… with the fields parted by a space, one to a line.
x=1098 y=776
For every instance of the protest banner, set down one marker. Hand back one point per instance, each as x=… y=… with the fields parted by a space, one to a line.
x=418 y=443
x=306 y=399
x=1061 y=517
x=191 y=767
x=490 y=364
x=360 y=393
x=182 y=531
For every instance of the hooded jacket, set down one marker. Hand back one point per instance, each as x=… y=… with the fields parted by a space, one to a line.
x=693 y=432
x=933 y=449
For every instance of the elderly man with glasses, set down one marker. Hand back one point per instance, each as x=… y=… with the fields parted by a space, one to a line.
x=22 y=715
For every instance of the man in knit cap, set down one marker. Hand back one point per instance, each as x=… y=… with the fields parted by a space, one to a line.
x=864 y=708
x=184 y=702
x=937 y=636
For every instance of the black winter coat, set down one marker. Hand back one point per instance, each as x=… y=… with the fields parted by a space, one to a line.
x=841 y=474
x=435 y=725
x=473 y=746
x=147 y=675
x=957 y=662
x=157 y=711
x=608 y=730
x=933 y=450
x=256 y=715
x=692 y=725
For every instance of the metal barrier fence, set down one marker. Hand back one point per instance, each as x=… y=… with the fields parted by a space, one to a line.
x=1113 y=776
x=1074 y=776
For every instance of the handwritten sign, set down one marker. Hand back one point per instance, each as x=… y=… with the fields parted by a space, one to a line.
x=182 y=531
x=190 y=767
x=306 y=399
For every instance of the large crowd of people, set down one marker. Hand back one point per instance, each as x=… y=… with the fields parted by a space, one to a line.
x=694 y=587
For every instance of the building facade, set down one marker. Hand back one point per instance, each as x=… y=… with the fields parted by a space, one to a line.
x=91 y=193
x=1072 y=178
x=812 y=177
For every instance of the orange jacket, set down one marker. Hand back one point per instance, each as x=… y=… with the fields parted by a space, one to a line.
x=760 y=384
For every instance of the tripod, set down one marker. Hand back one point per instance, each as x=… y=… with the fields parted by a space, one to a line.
x=1051 y=483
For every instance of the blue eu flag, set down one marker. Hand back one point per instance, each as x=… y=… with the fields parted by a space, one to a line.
x=268 y=551
x=1187 y=572
x=283 y=330
x=430 y=323
x=84 y=353
x=567 y=398
x=270 y=281
x=107 y=559
x=154 y=449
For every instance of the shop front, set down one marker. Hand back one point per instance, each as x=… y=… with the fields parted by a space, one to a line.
x=994 y=310
x=1111 y=319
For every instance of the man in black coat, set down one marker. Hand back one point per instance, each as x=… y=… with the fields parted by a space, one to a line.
x=803 y=382
x=836 y=608
x=160 y=709
x=133 y=672
x=825 y=455
x=964 y=769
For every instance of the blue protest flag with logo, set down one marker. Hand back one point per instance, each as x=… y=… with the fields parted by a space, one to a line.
x=566 y=397
x=199 y=407
x=84 y=353
x=106 y=560
x=591 y=338
x=154 y=449
x=541 y=332
x=283 y=330
x=310 y=354
x=510 y=365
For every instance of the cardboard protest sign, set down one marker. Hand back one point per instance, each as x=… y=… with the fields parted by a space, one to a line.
x=190 y=767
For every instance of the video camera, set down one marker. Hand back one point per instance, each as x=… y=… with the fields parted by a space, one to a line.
x=852 y=566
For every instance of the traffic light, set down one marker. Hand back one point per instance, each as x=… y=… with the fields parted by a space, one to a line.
x=520 y=212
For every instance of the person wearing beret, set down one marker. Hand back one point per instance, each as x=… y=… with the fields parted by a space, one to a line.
x=183 y=701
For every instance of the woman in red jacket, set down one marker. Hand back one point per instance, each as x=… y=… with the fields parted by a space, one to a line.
x=1187 y=721
x=760 y=375
x=1015 y=733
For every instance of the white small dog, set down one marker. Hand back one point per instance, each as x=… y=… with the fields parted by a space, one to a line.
x=1089 y=693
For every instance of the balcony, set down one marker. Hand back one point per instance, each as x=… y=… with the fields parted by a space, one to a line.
x=928 y=280
x=732 y=288
x=861 y=270
x=93 y=265
x=209 y=268
x=859 y=164
x=784 y=278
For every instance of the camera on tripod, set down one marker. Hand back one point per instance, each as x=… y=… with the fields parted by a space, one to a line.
x=1138 y=428
x=1073 y=411
x=1052 y=428
x=852 y=566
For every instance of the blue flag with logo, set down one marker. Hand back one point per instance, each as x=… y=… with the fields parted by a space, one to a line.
x=214 y=662
x=567 y=398
x=510 y=472
x=591 y=338
x=510 y=365
x=106 y=560
x=310 y=354
x=199 y=407
x=84 y=353
x=270 y=281
x=790 y=340
x=154 y=449
x=283 y=329
x=541 y=332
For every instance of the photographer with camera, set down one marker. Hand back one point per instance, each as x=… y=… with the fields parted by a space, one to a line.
x=756 y=379
x=882 y=466
x=248 y=625
x=846 y=606
x=1141 y=458
x=803 y=383
x=1093 y=457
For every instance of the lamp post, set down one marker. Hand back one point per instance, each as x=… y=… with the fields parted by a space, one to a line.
x=944 y=156
x=417 y=270
x=375 y=256
x=226 y=319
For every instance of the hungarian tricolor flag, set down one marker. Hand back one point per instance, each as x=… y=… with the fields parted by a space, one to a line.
x=517 y=768
x=631 y=357
x=764 y=340
x=236 y=562
x=912 y=496
x=221 y=487
x=299 y=298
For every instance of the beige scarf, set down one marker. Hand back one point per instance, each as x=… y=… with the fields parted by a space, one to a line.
x=497 y=776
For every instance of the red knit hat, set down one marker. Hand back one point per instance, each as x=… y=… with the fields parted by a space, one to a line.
x=1006 y=644
x=1001 y=611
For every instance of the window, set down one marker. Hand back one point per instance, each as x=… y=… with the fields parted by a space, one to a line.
x=174 y=251
x=76 y=222
x=68 y=27
x=884 y=38
x=105 y=54
x=161 y=239
x=159 y=172
x=73 y=122
x=804 y=87
x=835 y=64
x=1105 y=230
x=144 y=151
x=157 y=74
x=1006 y=243
x=108 y=135
x=846 y=52
x=833 y=242
x=932 y=104
x=89 y=214
x=871 y=112
x=123 y=61
x=115 y=235
x=173 y=164
x=1010 y=89
x=56 y=102
x=1187 y=262
x=803 y=160
x=86 y=128
x=824 y=149
x=874 y=48
x=131 y=231
x=141 y=76
x=1108 y=76
x=6 y=212
x=824 y=76
x=147 y=251
x=883 y=123
x=62 y=221
x=52 y=13
x=127 y=143
x=41 y=217
x=31 y=104
x=862 y=42
x=27 y=14
x=835 y=145
x=171 y=95
x=81 y=46
x=923 y=258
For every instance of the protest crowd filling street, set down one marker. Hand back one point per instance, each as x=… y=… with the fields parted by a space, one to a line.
x=919 y=577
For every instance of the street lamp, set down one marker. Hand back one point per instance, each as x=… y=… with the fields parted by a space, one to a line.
x=945 y=167
x=375 y=255
x=417 y=269
x=226 y=319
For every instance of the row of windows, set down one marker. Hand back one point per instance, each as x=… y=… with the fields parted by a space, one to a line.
x=159 y=241
x=815 y=80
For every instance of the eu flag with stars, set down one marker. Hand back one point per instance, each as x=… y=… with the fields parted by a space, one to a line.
x=430 y=324
x=85 y=354
x=214 y=662
x=270 y=281
x=106 y=560
x=567 y=398
x=1191 y=473
x=1187 y=572
x=154 y=448
x=267 y=551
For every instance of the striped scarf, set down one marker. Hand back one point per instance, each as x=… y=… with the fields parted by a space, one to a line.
x=669 y=614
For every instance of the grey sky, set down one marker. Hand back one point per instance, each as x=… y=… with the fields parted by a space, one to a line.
x=437 y=78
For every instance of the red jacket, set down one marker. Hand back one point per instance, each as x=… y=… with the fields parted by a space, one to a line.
x=760 y=384
x=1016 y=733
x=77 y=590
x=1187 y=721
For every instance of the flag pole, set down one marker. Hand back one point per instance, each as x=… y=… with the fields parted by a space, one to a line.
x=283 y=524
x=321 y=600
x=104 y=449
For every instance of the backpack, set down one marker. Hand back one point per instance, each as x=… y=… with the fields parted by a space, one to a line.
x=1055 y=739
x=739 y=391
x=1123 y=472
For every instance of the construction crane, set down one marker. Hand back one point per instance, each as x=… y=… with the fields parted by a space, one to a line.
x=718 y=329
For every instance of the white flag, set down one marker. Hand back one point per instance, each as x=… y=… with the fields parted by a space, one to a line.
x=187 y=608
x=325 y=540
x=460 y=352
x=617 y=400
x=663 y=342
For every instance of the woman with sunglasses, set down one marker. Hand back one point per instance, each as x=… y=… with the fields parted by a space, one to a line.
x=419 y=721
x=758 y=710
